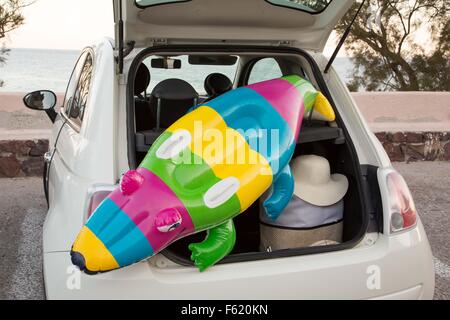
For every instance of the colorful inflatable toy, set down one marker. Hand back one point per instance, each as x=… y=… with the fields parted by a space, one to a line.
x=206 y=169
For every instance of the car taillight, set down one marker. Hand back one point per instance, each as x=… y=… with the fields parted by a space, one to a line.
x=96 y=195
x=403 y=213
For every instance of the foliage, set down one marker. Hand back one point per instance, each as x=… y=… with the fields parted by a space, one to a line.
x=386 y=49
x=10 y=16
x=10 y=19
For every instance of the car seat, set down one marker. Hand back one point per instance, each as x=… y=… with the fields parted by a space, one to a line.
x=143 y=115
x=217 y=84
x=170 y=100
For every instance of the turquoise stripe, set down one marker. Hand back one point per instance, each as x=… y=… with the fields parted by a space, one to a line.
x=119 y=234
x=255 y=118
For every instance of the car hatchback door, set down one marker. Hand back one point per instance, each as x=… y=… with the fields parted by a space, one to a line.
x=305 y=24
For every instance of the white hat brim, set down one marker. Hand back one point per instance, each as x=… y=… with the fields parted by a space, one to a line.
x=324 y=195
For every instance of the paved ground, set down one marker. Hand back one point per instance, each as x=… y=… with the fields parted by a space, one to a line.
x=21 y=221
x=22 y=213
x=18 y=122
x=430 y=184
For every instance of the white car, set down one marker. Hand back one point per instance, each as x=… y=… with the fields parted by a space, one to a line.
x=123 y=92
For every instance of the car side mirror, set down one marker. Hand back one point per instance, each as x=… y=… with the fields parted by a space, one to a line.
x=40 y=100
x=43 y=100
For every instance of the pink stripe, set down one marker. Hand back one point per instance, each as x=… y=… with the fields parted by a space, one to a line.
x=145 y=203
x=286 y=99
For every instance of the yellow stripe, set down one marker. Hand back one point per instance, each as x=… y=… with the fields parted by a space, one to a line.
x=227 y=153
x=324 y=108
x=96 y=255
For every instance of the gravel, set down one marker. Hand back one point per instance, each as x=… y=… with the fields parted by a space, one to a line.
x=22 y=220
x=430 y=184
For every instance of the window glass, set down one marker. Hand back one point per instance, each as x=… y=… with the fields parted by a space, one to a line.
x=78 y=89
x=148 y=3
x=312 y=6
x=73 y=82
x=195 y=75
x=265 y=69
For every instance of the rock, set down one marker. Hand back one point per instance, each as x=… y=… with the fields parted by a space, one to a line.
x=414 y=152
x=398 y=137
x=381 y=136
x=446 y=137
x=40 y=148
x=414 y=137
x=433 y=147
x=9 y=167
x=33 y=167
x=394 y=151
x=447 y=151
x=16 y=147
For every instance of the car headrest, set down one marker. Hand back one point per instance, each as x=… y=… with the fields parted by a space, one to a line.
x=142 y=80
x=174 y=89
x=217 y=84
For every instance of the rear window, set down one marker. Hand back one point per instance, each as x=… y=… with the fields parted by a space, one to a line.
x=195 y=75
x=311 y=6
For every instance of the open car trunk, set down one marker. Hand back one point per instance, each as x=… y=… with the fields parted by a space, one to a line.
x=329 y=140
x=248 y=226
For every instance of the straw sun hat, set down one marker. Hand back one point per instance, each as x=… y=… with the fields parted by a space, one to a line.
x=314 y=182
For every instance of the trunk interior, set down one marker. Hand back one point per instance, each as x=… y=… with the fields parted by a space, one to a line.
x=328 y=140
x=248 y=224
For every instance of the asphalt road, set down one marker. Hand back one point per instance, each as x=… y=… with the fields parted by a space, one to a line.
x=22 y=213
x=430 y=185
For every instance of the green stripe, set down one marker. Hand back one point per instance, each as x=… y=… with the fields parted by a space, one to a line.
x=307 y=90
x=190 y=178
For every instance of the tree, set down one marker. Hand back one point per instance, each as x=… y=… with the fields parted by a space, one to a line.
x=386 y=49
x=10 y=19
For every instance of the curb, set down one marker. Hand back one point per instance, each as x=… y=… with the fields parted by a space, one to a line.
x=24 y=158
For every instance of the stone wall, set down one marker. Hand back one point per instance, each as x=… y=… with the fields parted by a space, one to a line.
x=22 y=158
x=416 y=146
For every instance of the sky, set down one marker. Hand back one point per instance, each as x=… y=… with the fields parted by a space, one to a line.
x=64 y=24
x=70 y=24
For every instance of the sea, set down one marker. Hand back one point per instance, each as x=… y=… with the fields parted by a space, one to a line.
x=36 y=69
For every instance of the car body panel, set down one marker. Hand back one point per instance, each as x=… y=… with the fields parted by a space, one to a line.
x=82 y=158
x=230 y=21
x=370 y=272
